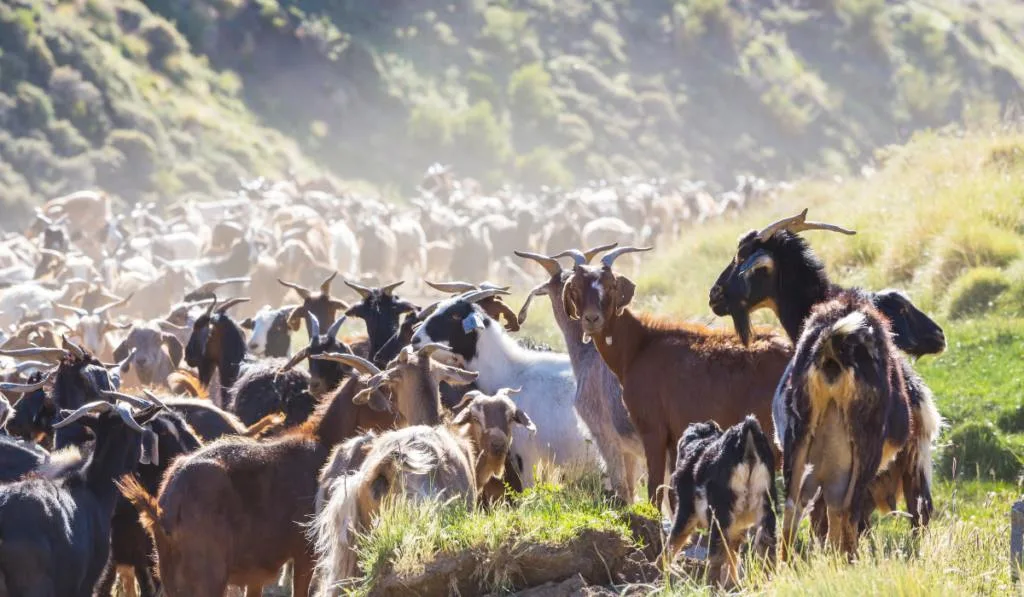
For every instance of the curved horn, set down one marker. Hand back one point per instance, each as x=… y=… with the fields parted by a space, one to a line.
x=478 y=295
x=128 y=418
x=314 y=325
x=799 y=223
x=302 y=290
x=550 y=264
x=538 y=290
x=362 y=290
x=209 y=310
x=325 y=286
x=213 y=285
x=121 y=364
x=358 y=363
x=455 y=287
x=231 y=302
x=22 y=366
x=391 y=287
x=427 y=311
x=296 y=359
x=332 y=332
x=46 y=353
x=25 y=388
x=610 y=258
x=577 y=256
x=77 y=351
x=98 y=406
x=592 y=252
x=153 y=398
x=76 y=310
x=109 y=306
x=133 y=400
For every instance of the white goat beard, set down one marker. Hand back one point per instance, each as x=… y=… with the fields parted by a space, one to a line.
x=608 y=340
x=586 y=338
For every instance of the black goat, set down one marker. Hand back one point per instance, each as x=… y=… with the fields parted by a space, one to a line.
x=253 y=390
x=848 y=415
x=55 y=532
x=19 y=457
x=753 y=280
x=725 y=482
x=320 y=304
x=324 y=375
x=381 y=310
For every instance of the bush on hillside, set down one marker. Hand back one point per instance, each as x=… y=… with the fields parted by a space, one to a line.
x=975 y=292
x=164 y=41
x=977 y=449
x=973 y=244
x=1011 y=420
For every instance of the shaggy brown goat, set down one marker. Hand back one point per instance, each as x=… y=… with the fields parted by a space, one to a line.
x=672 y=373
x=233 y=512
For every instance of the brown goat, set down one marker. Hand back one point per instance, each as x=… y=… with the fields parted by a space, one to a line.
x=672 y=373
x=233 y=511
x=320 y=304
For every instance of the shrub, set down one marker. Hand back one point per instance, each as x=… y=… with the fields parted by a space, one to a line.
x=430 y=123
x=140 y=160
x=66 y=140
x=973 y=244
x=164 y=41
x=978 y=448
x=1011 y=420
x=530 y=93
x=482 y=138
x=32 y=158
x=33 y=110
x=80 y=102
x=543 y=166
x=975 y=292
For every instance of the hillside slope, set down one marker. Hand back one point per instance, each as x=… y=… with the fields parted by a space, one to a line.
x=546 y=91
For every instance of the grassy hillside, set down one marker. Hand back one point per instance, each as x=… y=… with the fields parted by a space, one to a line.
x=106 y=93
x=560 y=91
x=940 y=210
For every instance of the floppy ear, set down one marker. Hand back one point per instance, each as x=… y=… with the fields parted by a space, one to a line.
x=454 y=375
x=624 y=289
x=121 y=353
x=174 y=348
x=521 y=417
x=466 y=414
x=380 y=403
x=248 y=324
x=569 y=300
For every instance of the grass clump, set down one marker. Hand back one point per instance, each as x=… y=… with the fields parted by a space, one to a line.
x=974 y=245
x=975 y=292
x=978 y=449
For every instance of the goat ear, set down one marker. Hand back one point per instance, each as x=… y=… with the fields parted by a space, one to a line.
x=624 y=289
x=121 y=353
x=466 y=414
x=569 y=301
x=248 y=324
x=296 y=317
x=454 y=375
x=523 y=419
x=174 y=349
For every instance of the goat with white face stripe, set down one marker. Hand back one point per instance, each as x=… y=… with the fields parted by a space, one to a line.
x=271 y=336
x=546 y=381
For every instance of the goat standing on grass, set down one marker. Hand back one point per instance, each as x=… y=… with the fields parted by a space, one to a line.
x=724 y=482
x=420 y=463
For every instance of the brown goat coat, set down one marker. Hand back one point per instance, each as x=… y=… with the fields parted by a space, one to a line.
x=232 y=512
x=674 y=374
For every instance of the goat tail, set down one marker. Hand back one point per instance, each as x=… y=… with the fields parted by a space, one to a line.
x=150 y=512
x=929 y=424
x=751 y=431
x=184 y=382
x=333 y=534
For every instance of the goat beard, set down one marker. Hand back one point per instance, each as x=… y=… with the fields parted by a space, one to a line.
x=741 y=322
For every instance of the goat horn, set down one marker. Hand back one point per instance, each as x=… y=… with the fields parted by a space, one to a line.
x=391 y=287
x=213 y=285
x=76 y=310
x=538 y=290
x=358 y=363
x=332 y=332
x=209 y=310
x=153 y=398
x=427 y=311
x=428 y=349
x=610 y=258
x=108 y=306
x=22 y=366
x=97 y=406
x=139 y=403
x=478 y=295
x=128 y=418
x=592 y=252
x=302 y=290
x=362 y=290
x=296 y=359
x=163 y=323
x=325 y=286
x=314 y=325
x=19 y=388
x=799 y=223
x=550 y=264
x=77 y=351
x=120 y=365
x=38 y=351
x=231 y=302
x=456 y=287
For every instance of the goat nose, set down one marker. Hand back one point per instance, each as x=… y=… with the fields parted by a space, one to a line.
x=591 y=317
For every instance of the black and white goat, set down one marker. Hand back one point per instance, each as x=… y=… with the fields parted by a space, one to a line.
x=270 y=335
x=724 y=482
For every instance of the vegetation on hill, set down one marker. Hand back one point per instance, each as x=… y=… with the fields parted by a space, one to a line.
x=157 y=97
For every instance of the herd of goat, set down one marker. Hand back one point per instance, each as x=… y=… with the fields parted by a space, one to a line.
x=188 y=450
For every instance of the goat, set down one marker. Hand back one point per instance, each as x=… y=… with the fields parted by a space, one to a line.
x=271 y=335
x=495 y=308
x=93 y=326
x=56 y=531
x=232 y=512
x=254 y=390
x=380 y=309
x=751 y=280
x=672 y=374
x=157 y=352
x=598 y=393
x=321 y=304
x=847 y=415
x=725 y=482
x=546 y=380
x=418 y=462
x=324 y=375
